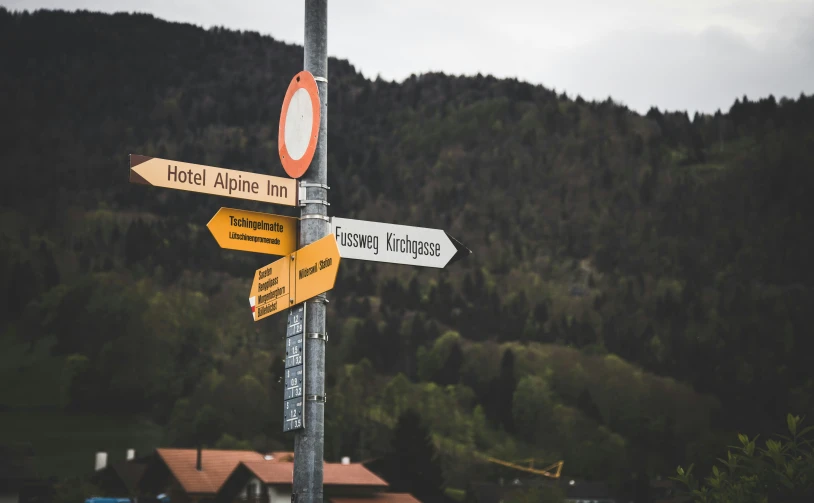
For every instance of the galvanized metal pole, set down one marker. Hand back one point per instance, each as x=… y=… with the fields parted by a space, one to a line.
x=309 y=443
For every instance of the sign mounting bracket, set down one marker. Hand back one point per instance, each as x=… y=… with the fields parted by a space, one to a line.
x=303 y=183
x=314 y=335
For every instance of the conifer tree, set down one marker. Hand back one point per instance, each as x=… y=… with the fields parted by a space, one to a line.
x=412 y=464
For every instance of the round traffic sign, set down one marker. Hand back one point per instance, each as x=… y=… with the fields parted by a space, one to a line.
x=299 y=124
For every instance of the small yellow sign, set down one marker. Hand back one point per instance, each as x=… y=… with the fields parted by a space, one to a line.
x=293 y=279
x=254 y=232
x=315 y=270
x=271 y=290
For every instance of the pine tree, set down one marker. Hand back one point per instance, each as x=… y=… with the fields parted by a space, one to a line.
x=501 y=397
x=22 y=288
x=450 y=372
x=369 y=343
x=413 y=465
x=586 y=404
x=50 y=271
x=541 y=313
x=413 y=294
x=506 y=385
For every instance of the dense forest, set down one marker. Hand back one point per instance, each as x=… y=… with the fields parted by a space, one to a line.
x=639 y=287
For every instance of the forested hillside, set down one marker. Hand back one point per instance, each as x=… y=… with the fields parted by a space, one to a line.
x=639 y=286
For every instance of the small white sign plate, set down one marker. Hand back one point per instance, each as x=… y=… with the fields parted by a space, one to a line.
x=395 y=244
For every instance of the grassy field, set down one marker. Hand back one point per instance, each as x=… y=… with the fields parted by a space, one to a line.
x=31 y=413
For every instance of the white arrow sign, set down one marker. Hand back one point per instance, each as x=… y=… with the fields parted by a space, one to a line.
x=396 y=244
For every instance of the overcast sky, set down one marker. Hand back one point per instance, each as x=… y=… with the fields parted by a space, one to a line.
x=674 y=54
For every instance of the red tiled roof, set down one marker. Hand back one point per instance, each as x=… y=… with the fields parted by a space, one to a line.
x=380 y=498
x=352 y=474
x=217 y=466
x=334 y=474
x=282 y=456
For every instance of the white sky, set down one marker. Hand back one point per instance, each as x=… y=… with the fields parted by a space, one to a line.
x=674 y=54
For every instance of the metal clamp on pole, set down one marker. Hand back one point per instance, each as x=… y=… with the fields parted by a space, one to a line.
x=305 y=184
x=316 y=398
x=302 y=193
x=320 y=217
x=320 y=79
x=314 y=335
x=320 y=299
x=303 y=202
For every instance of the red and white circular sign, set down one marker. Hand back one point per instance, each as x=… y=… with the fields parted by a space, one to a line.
x=299 y=124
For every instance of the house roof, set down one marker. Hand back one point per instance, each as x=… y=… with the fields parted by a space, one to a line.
x=380 y=498
x=335 y=474
x=127 y=474
x=217 y=465
x=351 y=474
x=282 y=456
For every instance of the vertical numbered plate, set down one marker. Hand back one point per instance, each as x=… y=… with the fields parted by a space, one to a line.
x=293 y=383
x=294 y=347
x=293 y=414
x=294 y=391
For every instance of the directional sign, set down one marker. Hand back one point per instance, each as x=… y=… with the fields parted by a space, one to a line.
x=315 y=270
x=304 y=274
x=271 y=290
x=254 y=232
x=209 y=180
x=294 y=389
x=396 y=244
x=299 y=124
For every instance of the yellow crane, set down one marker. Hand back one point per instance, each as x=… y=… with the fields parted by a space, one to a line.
x=545 y=472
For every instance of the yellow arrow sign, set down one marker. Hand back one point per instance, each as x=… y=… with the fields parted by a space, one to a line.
x=254 y=232
x=304 y=274
x=215 y=181
x=271 y=289
x=315 y=268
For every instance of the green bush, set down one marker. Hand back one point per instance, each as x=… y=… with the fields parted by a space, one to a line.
x=782 y=472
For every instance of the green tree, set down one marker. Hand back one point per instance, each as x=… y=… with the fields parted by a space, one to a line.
x=782 y=472
x=450 y=372
x=22 y=288
x=413 y=465
x=442 y=362
x=229 y=442
x=208 y=425
x=532 y=406
x=396 y=395
x=503 y=392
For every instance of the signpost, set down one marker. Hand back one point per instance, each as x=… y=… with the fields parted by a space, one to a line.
x=396 y=244
x=209 y=180
x=309 y=442
x=303 y=275
x=298 y=281
x=254 y=232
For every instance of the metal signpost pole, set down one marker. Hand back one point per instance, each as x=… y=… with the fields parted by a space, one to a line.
x=309 y=443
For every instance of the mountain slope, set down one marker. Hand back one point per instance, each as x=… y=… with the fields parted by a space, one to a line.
x=679 y=245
